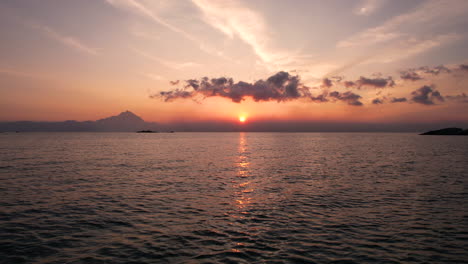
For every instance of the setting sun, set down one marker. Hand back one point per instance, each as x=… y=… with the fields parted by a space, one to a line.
x=242 y=119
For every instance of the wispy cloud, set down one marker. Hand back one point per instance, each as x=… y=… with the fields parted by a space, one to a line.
x=139 y=8
x=144 y=34
x=413 y=46
x=367 y=7
x=430 y=13
x=167 y=63
x=65 y=40
x=152 y=76
x=234 y=19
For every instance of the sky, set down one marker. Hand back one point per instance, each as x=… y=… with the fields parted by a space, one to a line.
x=362 y=61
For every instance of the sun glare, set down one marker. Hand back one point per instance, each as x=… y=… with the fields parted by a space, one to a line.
x=242 y=119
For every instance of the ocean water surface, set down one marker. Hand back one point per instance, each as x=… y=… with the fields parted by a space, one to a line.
x=233 y=198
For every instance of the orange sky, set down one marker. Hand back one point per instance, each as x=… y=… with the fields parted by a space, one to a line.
x=57 y=66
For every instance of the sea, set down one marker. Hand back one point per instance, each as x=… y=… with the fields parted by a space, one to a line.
x=233 y=198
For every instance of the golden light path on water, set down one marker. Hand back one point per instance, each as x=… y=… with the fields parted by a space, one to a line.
x=242 y=188
x=243 y=174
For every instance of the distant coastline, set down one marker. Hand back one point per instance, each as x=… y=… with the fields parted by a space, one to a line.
x=124 y=122
x=130 y=122
x=451 y=131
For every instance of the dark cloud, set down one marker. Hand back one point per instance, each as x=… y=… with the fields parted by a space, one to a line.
x=375 y=82
x=435 y=70
x=349 y=84
x=426 y=95
x=458 y=98
x=416 y=74
x=279 y=87
x=463 y=67
x=348 y=97
x=410 y=75
x=337 y=78
x=398 y=100
x=284 y=86
x=171 y=95
x=391 y=100
x=193 y=84
x=327 y=83
x=319 y=99
x=377 y=101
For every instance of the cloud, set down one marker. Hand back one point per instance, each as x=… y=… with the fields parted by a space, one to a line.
x=168 y=63
x=232 y=18
x=136 y=7
x=152 y=76
x=435 y=70
x=139 y=8
x=463 y=98
x=280 y=87
x=426 y=95
x=362 y=82
x=377 y=101
x=322 y=98
x=65 y=40
x=398 y=100
x=144 y=34
x=430 y=13
x=348 y=97
x=417 y=74
x=410 y=75
x=391 y=100
x=284 y=86
x=349 y=84
x=374 y=82
x=327 y=83
x=412 y=46
x=172 y=95
x=367 y=7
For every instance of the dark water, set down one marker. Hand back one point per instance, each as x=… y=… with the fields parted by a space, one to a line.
x=233 y=198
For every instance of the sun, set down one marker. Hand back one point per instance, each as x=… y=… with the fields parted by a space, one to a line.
x=242 y=119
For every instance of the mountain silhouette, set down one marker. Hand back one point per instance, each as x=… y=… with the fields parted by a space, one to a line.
x=124 y=117
x=124 y=122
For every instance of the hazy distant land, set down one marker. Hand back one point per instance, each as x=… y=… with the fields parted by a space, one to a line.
x=124 y=122
x=130 y=122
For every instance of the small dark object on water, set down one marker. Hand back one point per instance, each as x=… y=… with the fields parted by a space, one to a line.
x=147 y=131
x=451 y=131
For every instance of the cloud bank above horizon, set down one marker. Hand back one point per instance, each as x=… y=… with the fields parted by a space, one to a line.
x=283 y=87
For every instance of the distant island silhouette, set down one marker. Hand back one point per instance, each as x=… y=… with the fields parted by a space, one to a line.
x=130 y=122
x=124 y=122
x=451 y=131
x=147 y=131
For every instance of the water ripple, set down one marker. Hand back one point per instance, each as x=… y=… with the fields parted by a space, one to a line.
x=233 y=198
